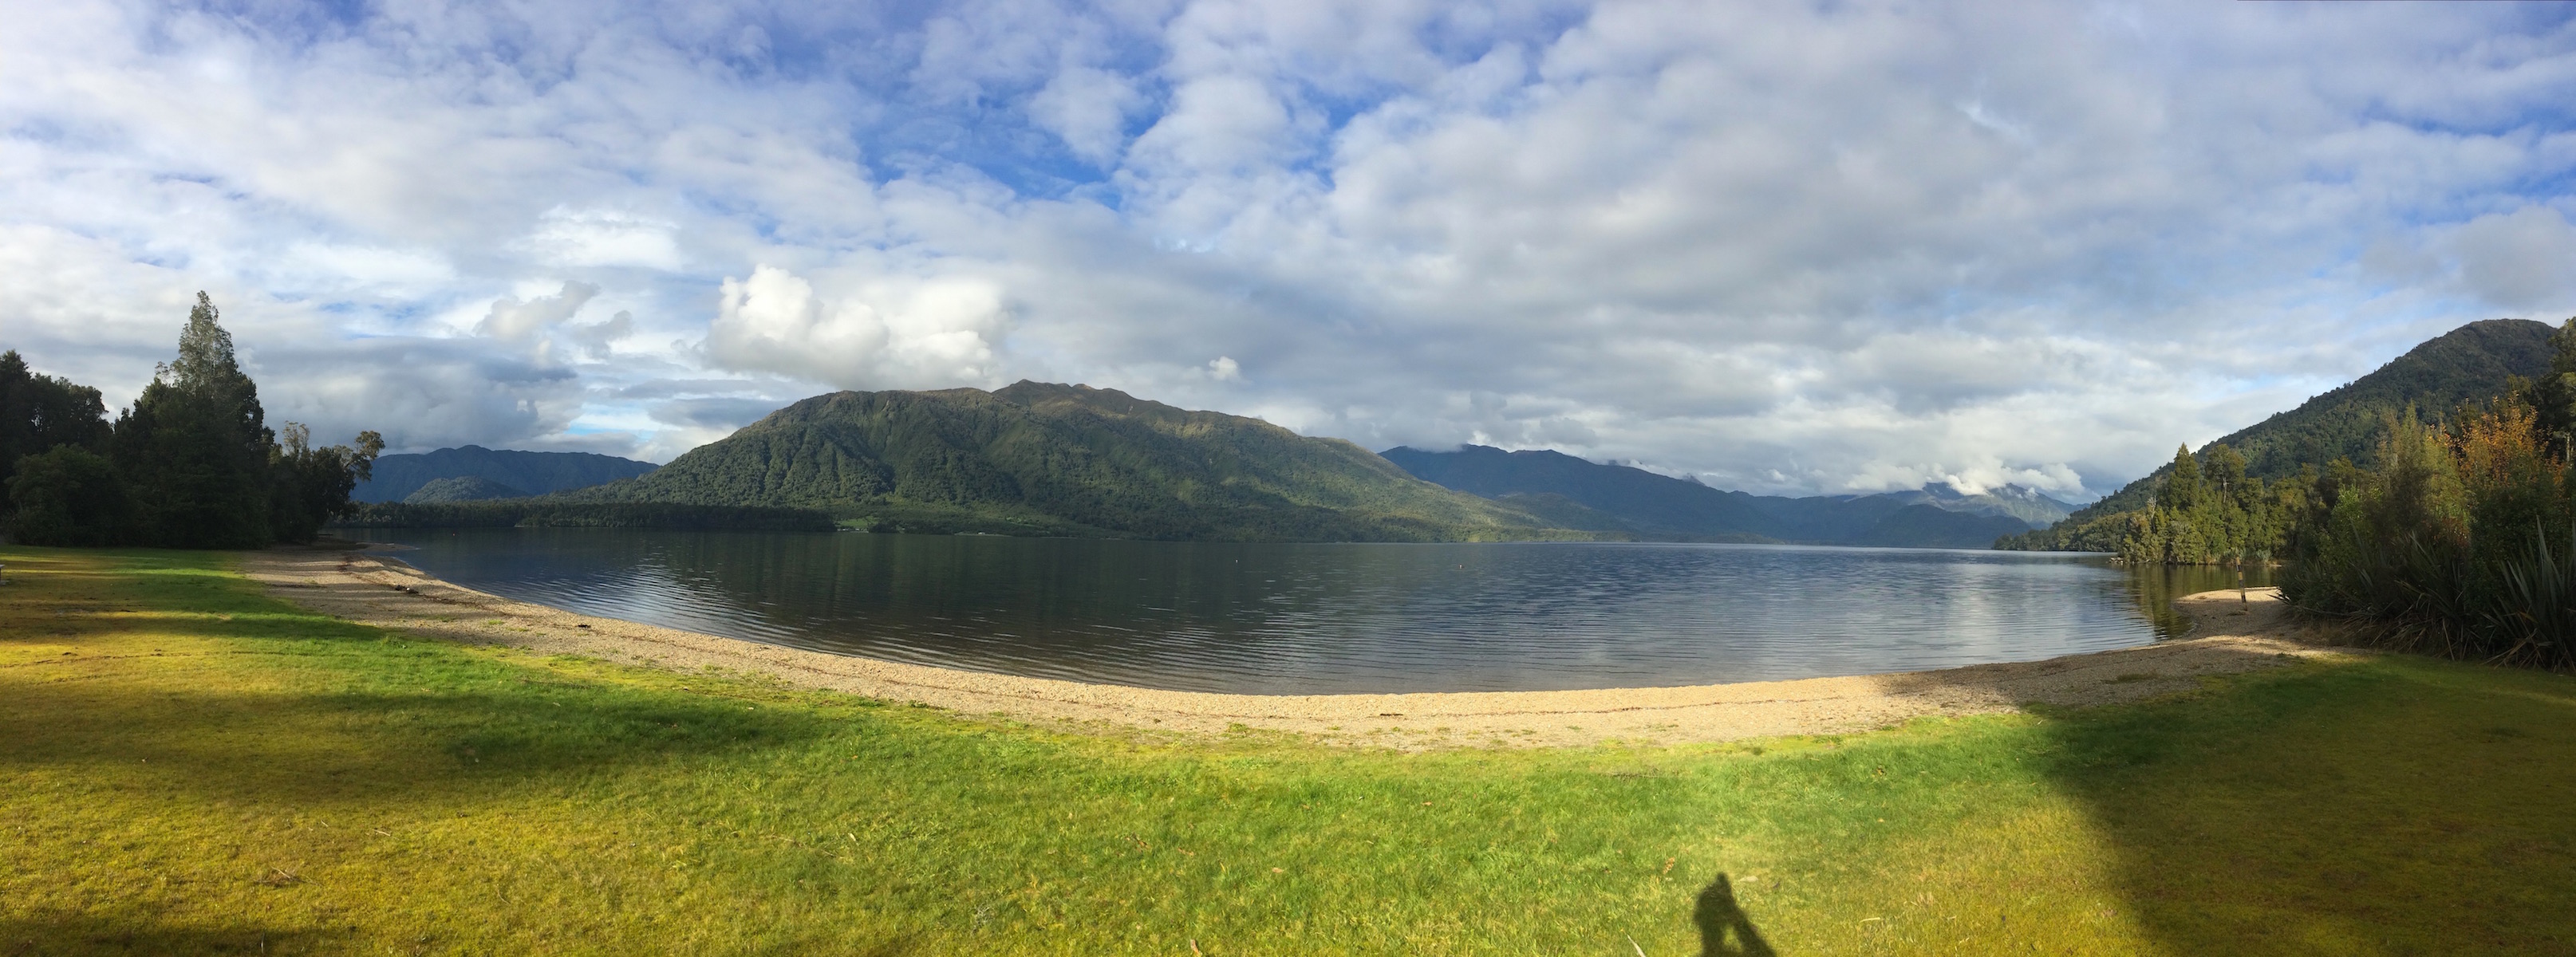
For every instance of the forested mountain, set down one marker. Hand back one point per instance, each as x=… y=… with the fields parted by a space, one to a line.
x=2473 y=362
x=397 y=477
x=1037 y=458
x=1662 y=507
x=462 y=488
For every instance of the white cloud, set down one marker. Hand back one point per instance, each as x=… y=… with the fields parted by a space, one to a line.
x=1784 y=247
x=515 y=321
x=1088 y=108
x=879 y=332
x=2525 y=259
x=603 y=238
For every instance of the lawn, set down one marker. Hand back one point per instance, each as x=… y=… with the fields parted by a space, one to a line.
x=189 y=765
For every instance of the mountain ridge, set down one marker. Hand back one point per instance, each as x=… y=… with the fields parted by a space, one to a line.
x=1046 y=458
x=397 y=477
x=1668 y=508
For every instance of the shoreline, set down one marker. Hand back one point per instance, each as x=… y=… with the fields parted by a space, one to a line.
x=362 y=587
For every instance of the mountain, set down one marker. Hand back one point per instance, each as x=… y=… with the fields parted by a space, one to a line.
x=1036 y=458
x=2471 y=363
x=529 y=473
x=462 y=488
x=1662 y=507
x=1654 y=505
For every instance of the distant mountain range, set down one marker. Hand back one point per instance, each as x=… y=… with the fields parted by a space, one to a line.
x=1661 y=507
x=2471 y=363
x=472 y=472
x=1036 y=458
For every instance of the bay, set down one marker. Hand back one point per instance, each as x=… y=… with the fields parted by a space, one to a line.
x=1333 y=618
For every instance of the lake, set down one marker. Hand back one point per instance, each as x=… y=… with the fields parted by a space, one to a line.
x=1331 y=618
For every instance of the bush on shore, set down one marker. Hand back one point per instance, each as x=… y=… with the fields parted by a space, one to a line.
x=2462 y=541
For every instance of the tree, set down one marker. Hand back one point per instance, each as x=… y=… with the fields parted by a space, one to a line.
x=194 y=448
x=69 y=496
x=2182 y=487
x=2553 y=396
x=39 y=412
x=313 y=485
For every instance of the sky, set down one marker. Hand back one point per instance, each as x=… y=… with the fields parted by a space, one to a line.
x=1803 y=248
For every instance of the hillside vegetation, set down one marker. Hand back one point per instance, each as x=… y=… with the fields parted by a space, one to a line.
x=189 y=766
x=2472 y=363
x=473 y=472
x=1036 y=458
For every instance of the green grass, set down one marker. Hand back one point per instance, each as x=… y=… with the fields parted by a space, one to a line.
x=187 y=765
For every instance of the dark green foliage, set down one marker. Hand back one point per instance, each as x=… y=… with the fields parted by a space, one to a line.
x=397 y=477
x=2451 y=545
x=39 y=412
x=311 y=485
x=547 y=513
x=1669 y=509
x=69 y=496
x=192 y=464
x=462 y=488
x=1066 y=460
x=2472 y=363
x=194 y=448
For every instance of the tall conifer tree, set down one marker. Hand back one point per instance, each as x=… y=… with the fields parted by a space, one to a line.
x=194 y=446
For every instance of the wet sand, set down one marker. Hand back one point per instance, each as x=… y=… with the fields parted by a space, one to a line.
x=2229 y=635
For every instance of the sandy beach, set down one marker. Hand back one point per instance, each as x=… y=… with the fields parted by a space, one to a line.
x=2229 y=635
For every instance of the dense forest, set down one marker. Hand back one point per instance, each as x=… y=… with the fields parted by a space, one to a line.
x=191 y=464
x=2459 y=539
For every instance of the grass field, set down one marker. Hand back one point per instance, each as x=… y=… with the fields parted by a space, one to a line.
x=189 y=766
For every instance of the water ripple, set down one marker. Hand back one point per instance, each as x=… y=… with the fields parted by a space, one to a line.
x=1281 y=619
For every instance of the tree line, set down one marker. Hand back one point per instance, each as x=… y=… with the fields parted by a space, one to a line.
x=546 y=513
x=2461 y=539
x=191 y=464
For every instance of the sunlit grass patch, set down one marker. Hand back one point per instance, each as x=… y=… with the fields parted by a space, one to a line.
x=214 y=769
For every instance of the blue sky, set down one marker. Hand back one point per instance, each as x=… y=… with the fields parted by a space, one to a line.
x=1787 y=247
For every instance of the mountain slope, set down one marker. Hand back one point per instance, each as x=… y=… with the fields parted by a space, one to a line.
x=2470 y=363
x=1662 y=507
x=462 y=488
x=531 y=473
x=1037 y=458
x=1657 y=505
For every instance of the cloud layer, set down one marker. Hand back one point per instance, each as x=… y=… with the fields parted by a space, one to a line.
x=1782 y=247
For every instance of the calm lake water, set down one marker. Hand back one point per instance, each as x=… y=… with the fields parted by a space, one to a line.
x=1315 y=619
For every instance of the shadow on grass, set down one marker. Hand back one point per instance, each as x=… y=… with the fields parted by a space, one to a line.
x=323 y=746
x=102 y=934
x=1724 y=929
x=2385 y=804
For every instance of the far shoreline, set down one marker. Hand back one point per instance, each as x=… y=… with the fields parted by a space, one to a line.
x=2230 y=637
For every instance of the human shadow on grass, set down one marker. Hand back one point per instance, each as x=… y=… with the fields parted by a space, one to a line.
x=1724 y=929
x=316 y=747
x=133 y=934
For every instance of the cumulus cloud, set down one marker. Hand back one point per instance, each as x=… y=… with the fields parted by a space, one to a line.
x=516 y=321
x=869 y=332
x=1784 y=248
